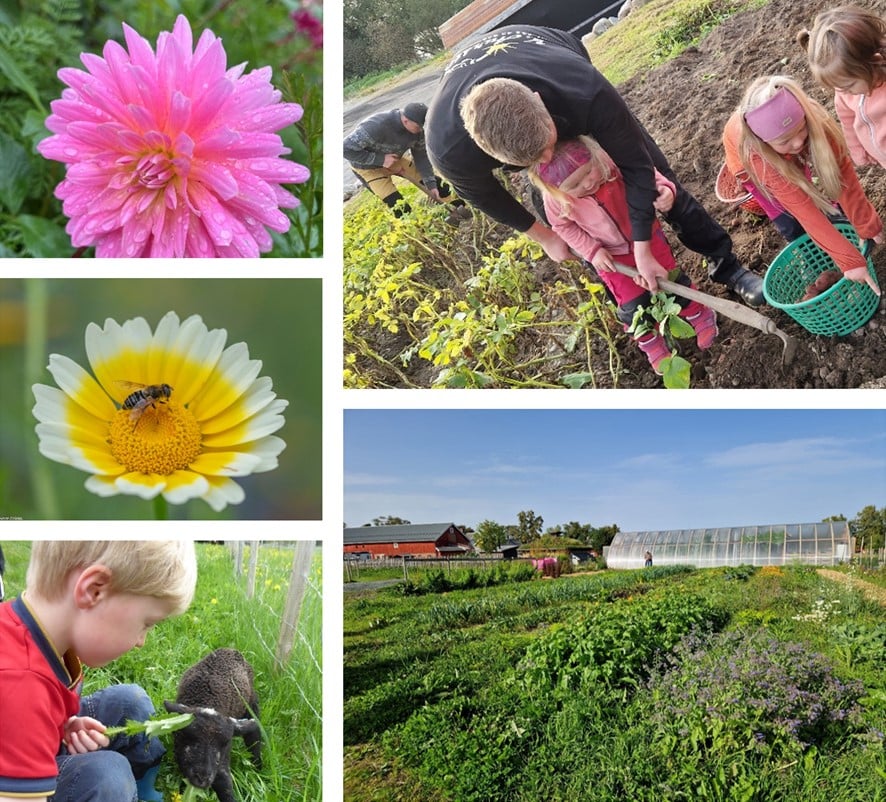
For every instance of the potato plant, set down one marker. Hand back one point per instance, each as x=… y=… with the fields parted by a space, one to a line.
x=427 y=304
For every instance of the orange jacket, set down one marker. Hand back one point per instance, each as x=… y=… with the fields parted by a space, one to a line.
x=797 y=203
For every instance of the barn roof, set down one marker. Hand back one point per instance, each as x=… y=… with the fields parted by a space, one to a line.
x=412 y=533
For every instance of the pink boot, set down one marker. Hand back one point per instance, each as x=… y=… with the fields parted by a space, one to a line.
x=655 y=348
x=704 y=321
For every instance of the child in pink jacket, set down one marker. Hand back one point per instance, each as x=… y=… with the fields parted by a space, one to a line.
x=586 y=204
x=847 y=53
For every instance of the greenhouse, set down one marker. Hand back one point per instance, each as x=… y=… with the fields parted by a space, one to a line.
x=827 y=543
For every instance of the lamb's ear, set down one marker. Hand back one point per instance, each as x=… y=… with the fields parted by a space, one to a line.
x=175 y=707
x=245 y=726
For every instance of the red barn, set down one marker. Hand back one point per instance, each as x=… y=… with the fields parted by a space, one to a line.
x=406 y=540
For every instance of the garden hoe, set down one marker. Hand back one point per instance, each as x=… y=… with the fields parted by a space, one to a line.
x=731 y=309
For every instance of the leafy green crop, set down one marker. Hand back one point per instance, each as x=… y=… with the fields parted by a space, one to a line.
x=616 y=645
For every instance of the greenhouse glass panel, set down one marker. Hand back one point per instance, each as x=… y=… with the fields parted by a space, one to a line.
x=761 y=553
x=808 y=549
x=767 y=544
x=792 y=543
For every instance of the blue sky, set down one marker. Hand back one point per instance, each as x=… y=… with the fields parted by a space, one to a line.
x=640 y=469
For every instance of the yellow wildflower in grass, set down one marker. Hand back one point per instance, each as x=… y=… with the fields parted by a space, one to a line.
x=171 y=411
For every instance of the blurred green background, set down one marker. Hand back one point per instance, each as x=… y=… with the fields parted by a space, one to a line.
x=278 y=319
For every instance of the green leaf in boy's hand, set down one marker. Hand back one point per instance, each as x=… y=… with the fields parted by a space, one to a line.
x=152 y=727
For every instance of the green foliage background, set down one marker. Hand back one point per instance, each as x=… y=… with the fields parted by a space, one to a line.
x=38 y=37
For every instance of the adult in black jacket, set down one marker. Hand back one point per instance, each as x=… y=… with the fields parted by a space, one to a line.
x=574 y=99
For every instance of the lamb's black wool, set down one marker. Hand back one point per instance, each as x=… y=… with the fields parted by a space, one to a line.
x=219 y=691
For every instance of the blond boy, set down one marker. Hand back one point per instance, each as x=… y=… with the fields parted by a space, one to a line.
x=85 y=603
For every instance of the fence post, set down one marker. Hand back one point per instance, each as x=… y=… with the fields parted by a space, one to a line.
x=253 y=562
x=298 y=580
x=238 y=558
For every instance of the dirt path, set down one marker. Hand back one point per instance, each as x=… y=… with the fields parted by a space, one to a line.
x=873 y=592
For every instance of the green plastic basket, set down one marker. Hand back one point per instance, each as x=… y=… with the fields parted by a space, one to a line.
x=839 y=310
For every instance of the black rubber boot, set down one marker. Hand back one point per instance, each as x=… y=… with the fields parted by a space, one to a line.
x=747 y=286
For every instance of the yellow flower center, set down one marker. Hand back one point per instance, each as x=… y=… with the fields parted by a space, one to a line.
x=161 y=439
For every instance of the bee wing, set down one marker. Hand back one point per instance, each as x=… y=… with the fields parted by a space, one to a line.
x=129 y=386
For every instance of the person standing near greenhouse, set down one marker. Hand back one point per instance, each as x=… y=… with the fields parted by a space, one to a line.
x=392 y=143
x=647 y=559
x=505 y=101
x=91 y=602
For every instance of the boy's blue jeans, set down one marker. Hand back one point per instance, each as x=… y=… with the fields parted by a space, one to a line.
x=108 y=775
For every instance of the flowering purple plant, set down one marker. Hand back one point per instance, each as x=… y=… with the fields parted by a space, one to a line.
x=740 y=691
x=171 y=153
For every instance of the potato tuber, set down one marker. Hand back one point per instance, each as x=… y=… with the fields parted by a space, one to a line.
x=824 y=282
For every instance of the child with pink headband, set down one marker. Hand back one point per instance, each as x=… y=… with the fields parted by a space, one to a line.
x=847 y=53
x=585 y=203
x=796 y=161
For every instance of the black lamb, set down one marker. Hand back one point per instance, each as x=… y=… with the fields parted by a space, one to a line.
x=219 y=691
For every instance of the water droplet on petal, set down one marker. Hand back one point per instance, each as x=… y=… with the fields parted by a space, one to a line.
x=71 y=151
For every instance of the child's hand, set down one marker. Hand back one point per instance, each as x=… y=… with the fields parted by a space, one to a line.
x=861 y=275
x=602 y=260
x=665 y=199
x=84 y=734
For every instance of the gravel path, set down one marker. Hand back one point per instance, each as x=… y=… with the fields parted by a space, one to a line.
x=874 y=592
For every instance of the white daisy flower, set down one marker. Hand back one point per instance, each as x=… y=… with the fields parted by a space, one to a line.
x=171 y=412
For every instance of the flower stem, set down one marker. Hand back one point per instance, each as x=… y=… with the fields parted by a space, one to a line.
x=36 y=328
x=161 y=508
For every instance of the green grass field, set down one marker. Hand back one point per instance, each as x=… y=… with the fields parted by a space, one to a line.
x=222 y=616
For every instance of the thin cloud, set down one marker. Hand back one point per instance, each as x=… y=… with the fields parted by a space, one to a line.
x=823 y=453
x=370 y=479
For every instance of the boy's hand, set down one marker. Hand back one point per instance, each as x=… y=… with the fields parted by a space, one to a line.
x=84 y=734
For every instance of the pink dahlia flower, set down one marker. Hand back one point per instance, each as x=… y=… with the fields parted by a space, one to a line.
x=171 y=153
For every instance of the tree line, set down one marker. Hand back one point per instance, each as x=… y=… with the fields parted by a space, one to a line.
x=868 y=527
x=380 y=35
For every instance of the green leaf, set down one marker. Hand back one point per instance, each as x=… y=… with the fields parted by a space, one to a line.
x=680 y=328
x=43 y=238
x=575 y=381
x=18 y=79
x=675 y=373
x=16 y=177
x=34 y=127
x=152 y=727
x=572 y=339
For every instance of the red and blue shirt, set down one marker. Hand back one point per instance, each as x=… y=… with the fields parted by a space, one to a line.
x=39 y=692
